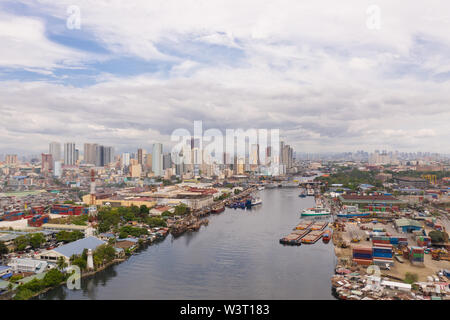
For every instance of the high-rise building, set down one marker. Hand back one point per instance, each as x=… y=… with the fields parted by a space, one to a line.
x=108 y=155
x=125 y=160
x=46 y=162
x=69 y=153
x=55 y=150
x=141 y=155
x=157 y=159
x=57 y=171
x=11 y=159
x=167 y=161
x=90 y=153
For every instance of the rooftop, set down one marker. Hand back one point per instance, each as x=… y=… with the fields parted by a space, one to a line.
x=78 y=246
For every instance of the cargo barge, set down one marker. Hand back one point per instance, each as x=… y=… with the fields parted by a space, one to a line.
x=295 y=237
x=319 y=225
x=304 y=225
x=312 y=237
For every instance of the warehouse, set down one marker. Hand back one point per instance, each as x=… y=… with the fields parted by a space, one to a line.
x=28 y=265
x=350 y=199
x=407 y=225
x=74 y=248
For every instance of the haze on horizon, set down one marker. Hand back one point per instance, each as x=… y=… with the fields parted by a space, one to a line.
x=135 y=71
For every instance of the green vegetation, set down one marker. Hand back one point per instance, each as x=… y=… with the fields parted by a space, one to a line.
x=155 y=222
x=109 y=218
x=3 y=248
x=80 y=220
x=237 y=191
x=438 y=236
x=222 y=197
x=67 y=236
x=181 y=209
x=411 y=277
x=15 y=277
x=103 y=254
x=352 y=179
x=29 y=289
x=125 y=231
x=35 y=240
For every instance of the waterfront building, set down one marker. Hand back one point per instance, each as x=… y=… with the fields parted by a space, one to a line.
x=74 y=248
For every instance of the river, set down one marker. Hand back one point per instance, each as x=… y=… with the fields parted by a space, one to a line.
x=237 y=256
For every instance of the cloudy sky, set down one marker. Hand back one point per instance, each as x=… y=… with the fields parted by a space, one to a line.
x=331 y=75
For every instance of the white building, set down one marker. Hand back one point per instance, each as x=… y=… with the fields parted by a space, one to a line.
x=157 y=159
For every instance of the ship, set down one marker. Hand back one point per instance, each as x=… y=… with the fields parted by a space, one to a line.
x=261 y=188
x=218 y=209
x=316 y=211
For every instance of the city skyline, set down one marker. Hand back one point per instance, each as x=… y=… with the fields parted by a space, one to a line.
x=329 y=83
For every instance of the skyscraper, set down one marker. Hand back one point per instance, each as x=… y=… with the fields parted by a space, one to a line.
x=141 y=155
x=90 y=153
x=69 y=153
x=55 y=150
x=157 y=159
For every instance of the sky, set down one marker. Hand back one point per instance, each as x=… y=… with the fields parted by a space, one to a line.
x=332 y=76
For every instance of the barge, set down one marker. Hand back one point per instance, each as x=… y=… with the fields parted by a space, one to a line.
x=295 y=237
x=304 y=225
x=312 y=237
x=319 y=225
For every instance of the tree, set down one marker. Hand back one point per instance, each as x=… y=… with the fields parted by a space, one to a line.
x=53 y=278
x=3 y=249
x=61 y=263
x=21 y=242
x=36 y=240
x=80 y=262
x=437 y=236
x=411 y=277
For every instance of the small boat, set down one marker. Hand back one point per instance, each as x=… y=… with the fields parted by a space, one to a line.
x=261 y=188
x=302 y=195
x=256 y=201
x=310 y=192
x=326 y=236
x=218 y=210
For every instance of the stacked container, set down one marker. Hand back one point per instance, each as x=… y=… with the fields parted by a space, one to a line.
x=38 y=220
x=12 y=216
x=362 y=255
x=380 y=240
x=416 y=255
x=423 y=241
x=382 y=254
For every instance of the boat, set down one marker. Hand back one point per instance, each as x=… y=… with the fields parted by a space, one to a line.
x=312 y=237
x=218 y=209
x=304 y=225
x=326 y=236
x=302 y=195
x=310 y=192
x=256 y=201
x=271 y=185
x=319 y=225
x=261 y=188
x=316 y=211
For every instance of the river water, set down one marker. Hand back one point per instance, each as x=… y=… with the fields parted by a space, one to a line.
x=237 y=256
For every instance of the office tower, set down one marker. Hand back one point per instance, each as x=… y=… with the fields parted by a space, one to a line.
x=125 y=159
x=108 y=155
x=167 y=161
x=141 y=155
x=46 y=162
x=148 y=162
x=77 y=155
x=11 y=159
x=69 y=153
x=90 y=153
x=55 y=150
x=157 y=159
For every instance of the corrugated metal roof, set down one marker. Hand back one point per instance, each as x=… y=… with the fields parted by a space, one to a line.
x=78 y=246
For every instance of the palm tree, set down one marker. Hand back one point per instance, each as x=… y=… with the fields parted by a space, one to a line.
x=62 y=264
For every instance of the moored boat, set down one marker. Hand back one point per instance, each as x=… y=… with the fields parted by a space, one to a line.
x=316 y=211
